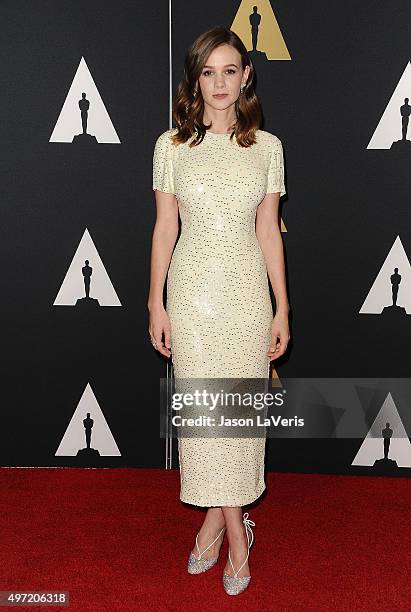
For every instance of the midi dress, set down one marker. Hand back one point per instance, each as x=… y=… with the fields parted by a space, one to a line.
x=218 y=299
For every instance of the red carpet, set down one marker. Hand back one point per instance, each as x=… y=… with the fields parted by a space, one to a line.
x=118 y=539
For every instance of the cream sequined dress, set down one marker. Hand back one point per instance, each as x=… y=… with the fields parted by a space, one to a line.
x=218 y=296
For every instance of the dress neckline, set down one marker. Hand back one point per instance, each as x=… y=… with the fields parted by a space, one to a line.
x=218 y=135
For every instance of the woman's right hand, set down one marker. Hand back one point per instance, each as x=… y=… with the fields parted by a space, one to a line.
x=159 y=324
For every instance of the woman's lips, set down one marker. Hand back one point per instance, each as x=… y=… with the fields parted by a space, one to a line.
x=220 y=96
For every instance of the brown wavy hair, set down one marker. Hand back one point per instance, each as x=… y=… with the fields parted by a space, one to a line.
x=188 y=103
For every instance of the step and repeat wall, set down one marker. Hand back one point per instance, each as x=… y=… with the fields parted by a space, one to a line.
x=86 y=91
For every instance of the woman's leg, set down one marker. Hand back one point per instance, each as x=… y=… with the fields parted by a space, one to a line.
x=213 y=523
x=237 y=541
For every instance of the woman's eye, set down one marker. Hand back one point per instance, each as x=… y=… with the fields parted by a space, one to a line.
x=206 y=72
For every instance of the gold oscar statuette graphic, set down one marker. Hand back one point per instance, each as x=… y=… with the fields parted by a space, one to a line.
x=257 y=26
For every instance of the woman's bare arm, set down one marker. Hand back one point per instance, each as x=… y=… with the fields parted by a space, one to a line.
x=268 y=234
x=269 y=237
x=164 y=237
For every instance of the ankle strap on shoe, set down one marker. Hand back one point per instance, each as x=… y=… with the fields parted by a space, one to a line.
x=247 y=524
x=201 y=553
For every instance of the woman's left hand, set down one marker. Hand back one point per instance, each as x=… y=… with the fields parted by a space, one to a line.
x=280 y=336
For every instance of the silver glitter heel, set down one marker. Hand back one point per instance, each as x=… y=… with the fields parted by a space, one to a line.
x=233 y=585
x=197 y=565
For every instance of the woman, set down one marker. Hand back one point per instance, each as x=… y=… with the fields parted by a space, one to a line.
x=225 y=177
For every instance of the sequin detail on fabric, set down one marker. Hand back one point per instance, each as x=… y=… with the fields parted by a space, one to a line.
x=218 y=296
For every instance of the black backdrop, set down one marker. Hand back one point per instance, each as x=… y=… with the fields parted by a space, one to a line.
x=345 y=206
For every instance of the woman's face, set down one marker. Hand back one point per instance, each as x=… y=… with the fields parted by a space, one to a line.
x=222 y=74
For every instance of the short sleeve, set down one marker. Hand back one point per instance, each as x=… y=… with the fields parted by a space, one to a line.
x=163 y=176
x=275 y=179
